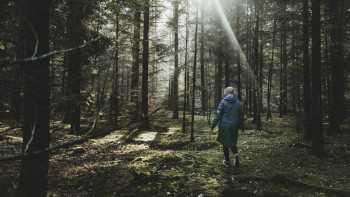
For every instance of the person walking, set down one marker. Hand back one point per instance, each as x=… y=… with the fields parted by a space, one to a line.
x=228 y=119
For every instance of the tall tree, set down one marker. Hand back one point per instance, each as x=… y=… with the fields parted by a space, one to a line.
x=175 y=89
x=74 y=61
x=257 y=67
x=317 y=133
x=270 y=72
x=145 y=63
x=306 y=62
x=135 y=74
x=186 y=74
x=115 y=103
x=34 y=34
x=337 y=64
x=218 y=75
x=204 y=94
x=194 y=77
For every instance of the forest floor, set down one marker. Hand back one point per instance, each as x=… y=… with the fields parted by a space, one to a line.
x=274 y=162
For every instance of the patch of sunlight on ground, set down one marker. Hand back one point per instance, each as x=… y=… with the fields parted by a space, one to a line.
x=173 y=130
x=147 y=136
x=113 y=137
x=130 y=148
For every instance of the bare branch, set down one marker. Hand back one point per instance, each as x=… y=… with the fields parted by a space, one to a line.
x=36 y=36
x=46 y=55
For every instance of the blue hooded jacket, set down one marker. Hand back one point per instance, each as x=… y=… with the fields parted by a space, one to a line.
x=228 y=119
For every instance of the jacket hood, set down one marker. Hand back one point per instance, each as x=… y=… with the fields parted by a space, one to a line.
x=230 y=98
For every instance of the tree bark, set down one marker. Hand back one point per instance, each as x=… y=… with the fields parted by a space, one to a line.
x=115 y=102
x=175 y=94
x=204 y=93
x=270 y=73
x=74 y=62
x=135 y=74
x=34 y=26
x=194 y=78
x=337 y=65
x=317 y=133
x=306 y=70
x=186 y=78
x=145 y=61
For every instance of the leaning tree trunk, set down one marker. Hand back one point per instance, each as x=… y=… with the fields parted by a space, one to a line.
x=317 y=133
x=34 y=31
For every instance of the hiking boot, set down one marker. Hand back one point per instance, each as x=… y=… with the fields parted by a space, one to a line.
x=226 y=163
x=235 y=161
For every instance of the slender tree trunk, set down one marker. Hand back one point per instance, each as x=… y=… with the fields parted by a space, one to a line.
x=34 y=170
x=306 y=62
x=194 y=78
x=135 y=73
x=204 y=93
x=74 y=62
x=337 y=64
x=175 y=95
x=281 y=77
x=219 y=76
x=317 y=133
x=145 y=64
x=16 y=101
x=186 y=73
x=227 y=70
x=270 y=74
x=115 y=92
x=257 y=65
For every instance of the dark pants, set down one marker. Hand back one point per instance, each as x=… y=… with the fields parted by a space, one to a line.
x=227 y=152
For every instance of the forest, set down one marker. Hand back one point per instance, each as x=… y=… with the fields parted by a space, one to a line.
x=120 y=98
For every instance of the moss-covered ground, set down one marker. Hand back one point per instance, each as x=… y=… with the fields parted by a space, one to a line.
x=274 y=162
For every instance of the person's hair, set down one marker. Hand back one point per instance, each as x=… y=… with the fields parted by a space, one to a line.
x=228 y=90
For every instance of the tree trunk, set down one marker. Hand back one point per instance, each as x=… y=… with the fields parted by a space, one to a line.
x=35 y=17
x=306 y=62
x=218 y=76
x=317 y=133
x=115 y=103
x=270 y=73
x=194 y=78
x=204 y=93
x=145 y=61
x=337 y=65
x=74 y=62
x=135 y=74
x=175 y=95
x=185 y=101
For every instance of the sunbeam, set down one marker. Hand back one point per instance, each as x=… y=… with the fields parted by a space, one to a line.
x=232 y=37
